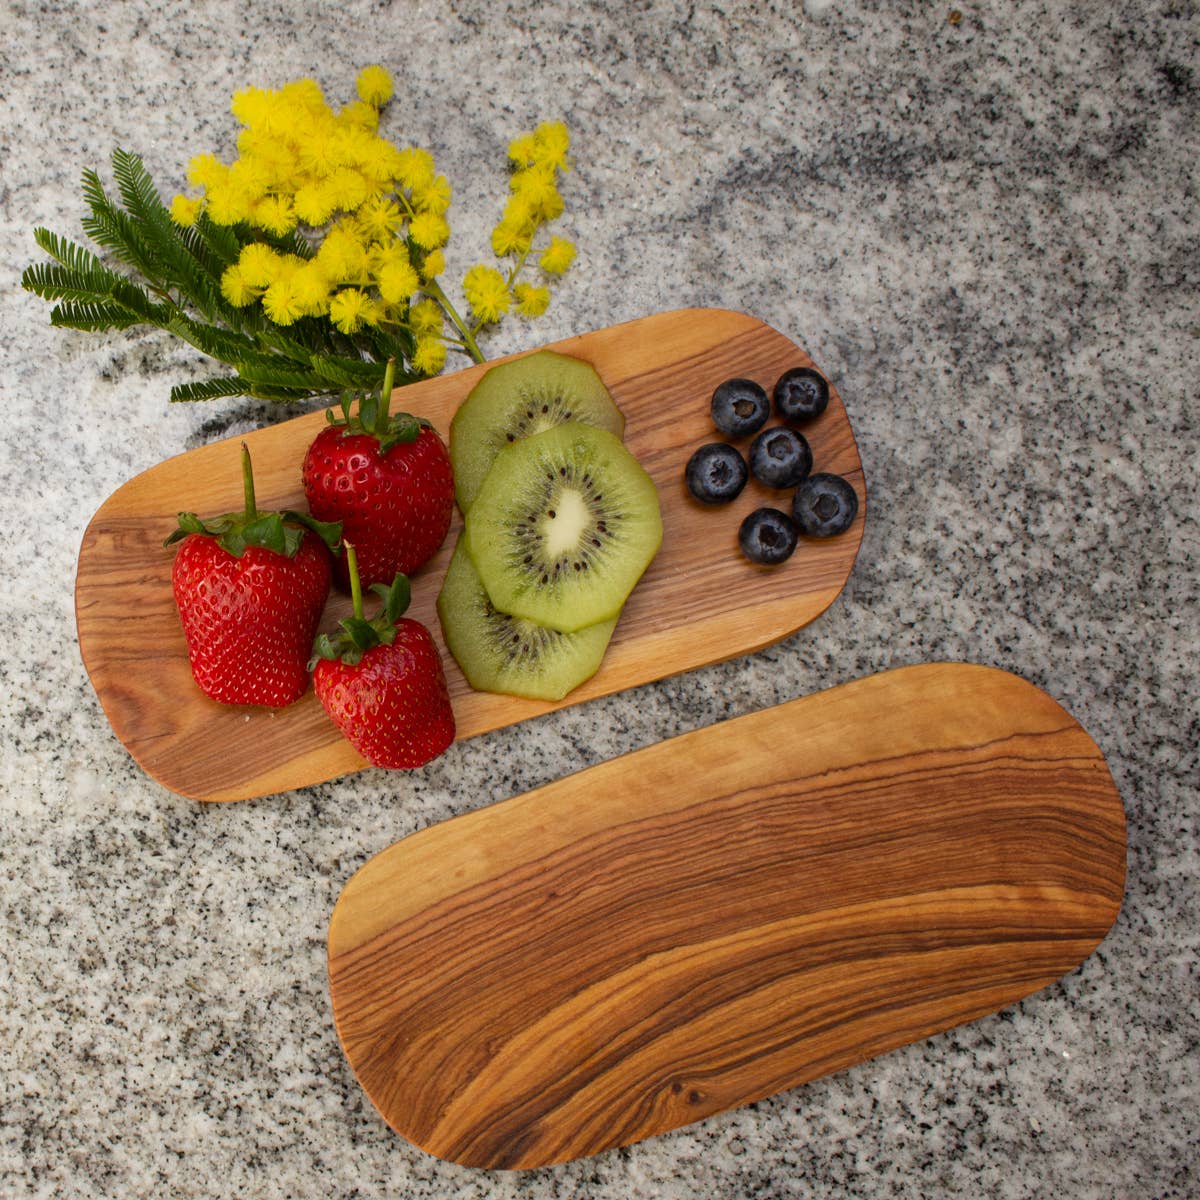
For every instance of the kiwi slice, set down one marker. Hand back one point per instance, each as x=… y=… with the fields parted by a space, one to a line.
x=563 y=527
x=499 y=653
x=520 y=398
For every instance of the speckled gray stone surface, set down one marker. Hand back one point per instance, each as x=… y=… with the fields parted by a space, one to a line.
x=985 y=230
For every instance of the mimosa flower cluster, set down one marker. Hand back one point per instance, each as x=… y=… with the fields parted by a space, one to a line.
x=313 y=257
x=368 y=220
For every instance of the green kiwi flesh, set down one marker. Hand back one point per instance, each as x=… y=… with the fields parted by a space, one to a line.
x=563 y=527
x=499 y=653
x=519 y=398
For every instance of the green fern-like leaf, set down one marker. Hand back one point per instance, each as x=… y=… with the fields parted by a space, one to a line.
x=52 y=281
x=94 y=317
x=348 y=373
x=270 y=371
x=69 y=254
x=179 y=267
x=136 y=300
x=222 y=241
x=396 y=342
x=225 y=345
x=283 y=394
x=292 y=344
x=209 y=389
x=111 y=227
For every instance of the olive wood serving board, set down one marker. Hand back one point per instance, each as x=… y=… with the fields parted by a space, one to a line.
x=725 y=915
x=699 y=602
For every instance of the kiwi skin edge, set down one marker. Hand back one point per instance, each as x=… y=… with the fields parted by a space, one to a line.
x=499 y=653
x=517 y=399
x=563 y=527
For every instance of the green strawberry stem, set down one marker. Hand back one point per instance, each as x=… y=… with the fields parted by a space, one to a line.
x=358 y=635
x=382 y=416
x=282 y=532
x=248 y=486
x=352 y=567
x=375 y=418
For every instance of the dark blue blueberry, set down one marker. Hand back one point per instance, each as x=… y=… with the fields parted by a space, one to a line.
x=801 y=394
x=767 y=536
x=716 y=473
x=740 y=407
x=824 y=505
x=780 y=457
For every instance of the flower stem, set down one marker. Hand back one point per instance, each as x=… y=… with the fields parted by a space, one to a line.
x=472 y=347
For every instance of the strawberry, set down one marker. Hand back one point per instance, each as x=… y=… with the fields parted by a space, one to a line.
x=250 y=588
x=388 y=480
x=381 y=681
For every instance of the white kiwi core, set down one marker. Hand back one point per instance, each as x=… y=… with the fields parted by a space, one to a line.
x=564 y=525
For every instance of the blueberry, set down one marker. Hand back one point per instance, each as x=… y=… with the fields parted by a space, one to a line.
x=716 y=473
x=780 y=457
x=801 y=394
x=824 y=505
x=740 y=407
x=767 y=536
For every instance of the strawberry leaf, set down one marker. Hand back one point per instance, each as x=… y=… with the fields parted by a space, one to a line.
x=395 y=596
x=281 y=532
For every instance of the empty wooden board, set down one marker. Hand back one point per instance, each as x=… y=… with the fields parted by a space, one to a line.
x=725 y=915
x=699 y=602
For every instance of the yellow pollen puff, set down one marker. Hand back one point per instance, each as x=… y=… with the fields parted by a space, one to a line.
x=374 y=85
x=342 y=255
x=380 y=218
x=347 y=188
x=227 y=205
x=397 y=282
x=433 y=265
x=433 y=197
x=351 y=309
x=377 y=162
x=304 y=95
x=551 y=141
x=185 y=211
x=312 y=287
x=258 y=263
x=314 y=203
x=206 y=171
x=235 y=288
x=486 y=293
x=352 y=147
x=248 y=105
x=426 y=318
x=385 y=254
x=557 y=256
x=510 y=237
x=317 y=154
x=359 y=116
x=429 y=230
x=414 y=168
x=429 y=357
x=531 y=301
x=281 y=303
x=520 y=150
x=274 y=214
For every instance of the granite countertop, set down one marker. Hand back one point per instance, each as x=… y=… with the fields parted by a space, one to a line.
x=981 y=223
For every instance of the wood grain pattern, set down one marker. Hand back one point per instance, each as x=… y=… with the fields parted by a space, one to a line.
x=725 y=915
x=661 y=371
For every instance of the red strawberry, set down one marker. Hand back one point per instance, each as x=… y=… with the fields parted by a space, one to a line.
x=250 y=588
x=388 y=480
x=382 y=683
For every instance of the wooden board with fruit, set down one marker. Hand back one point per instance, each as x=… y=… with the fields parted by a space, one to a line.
x=700 y=600
x=725 y=915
